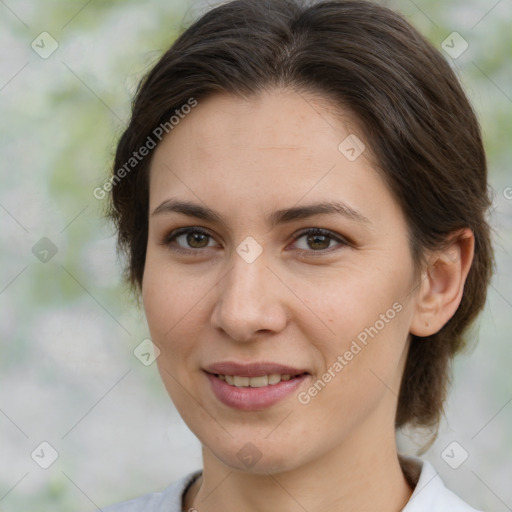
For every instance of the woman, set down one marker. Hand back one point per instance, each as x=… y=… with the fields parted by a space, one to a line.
x=301 y=195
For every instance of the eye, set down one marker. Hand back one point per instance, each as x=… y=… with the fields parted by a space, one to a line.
x=318 y=240
x=189 y=239
x=312 y=240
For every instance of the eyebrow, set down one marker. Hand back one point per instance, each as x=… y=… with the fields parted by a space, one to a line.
x=278 y=217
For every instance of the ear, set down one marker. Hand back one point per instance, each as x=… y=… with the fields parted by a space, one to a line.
x=442 y=284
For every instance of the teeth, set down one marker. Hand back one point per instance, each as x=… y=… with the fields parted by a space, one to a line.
x=254 y=382
x=258 y=382
x=241 y=381
x=274 y=378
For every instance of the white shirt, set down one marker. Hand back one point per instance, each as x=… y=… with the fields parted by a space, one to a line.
x=429 y=495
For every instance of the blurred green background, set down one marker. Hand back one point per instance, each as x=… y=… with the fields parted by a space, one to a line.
x=68 y=326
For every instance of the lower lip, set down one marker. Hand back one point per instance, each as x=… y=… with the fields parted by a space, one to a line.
x=253 y=399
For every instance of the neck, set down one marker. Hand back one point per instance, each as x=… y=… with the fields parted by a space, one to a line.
x=344 y=479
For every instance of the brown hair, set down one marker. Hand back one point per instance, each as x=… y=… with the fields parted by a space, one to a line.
x=419 y=126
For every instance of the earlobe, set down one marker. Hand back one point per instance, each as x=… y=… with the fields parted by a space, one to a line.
x=442 y=284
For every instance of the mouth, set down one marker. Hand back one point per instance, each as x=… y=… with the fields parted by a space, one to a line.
x=255 y=386
x=256 y=382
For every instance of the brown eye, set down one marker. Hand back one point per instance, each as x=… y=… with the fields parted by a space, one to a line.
x=197 y=240
x=189 y=239
x=318 y=240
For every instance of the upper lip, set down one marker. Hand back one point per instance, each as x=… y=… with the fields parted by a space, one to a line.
x=252 y=369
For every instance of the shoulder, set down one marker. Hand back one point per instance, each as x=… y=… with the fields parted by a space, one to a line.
x=168 y=500
x=430 y=493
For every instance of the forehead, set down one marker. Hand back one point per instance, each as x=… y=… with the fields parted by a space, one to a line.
x=275 y=147
x=272 y=119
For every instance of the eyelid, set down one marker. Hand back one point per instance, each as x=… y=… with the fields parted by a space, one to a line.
x=180 y=231
x=170 y=237
x=342 y=241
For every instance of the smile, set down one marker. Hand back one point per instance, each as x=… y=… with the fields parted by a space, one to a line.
x=255 y=386
x=255 y=382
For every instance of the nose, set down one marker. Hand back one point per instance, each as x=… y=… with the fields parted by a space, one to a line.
x=249 y=301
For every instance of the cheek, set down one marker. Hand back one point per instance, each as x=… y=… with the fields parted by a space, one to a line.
x=345 y=303
x=170 y=300
x=176 y=308
x=172 y=311
x=361 y=332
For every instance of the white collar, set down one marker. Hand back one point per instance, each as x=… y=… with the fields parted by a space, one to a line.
x=430 y=493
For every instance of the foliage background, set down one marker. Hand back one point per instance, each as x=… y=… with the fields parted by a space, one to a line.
x=68 y=327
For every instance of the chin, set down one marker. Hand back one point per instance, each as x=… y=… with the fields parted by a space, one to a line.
x=258 y=456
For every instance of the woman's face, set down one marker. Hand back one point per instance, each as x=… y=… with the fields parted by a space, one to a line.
x=273 y=250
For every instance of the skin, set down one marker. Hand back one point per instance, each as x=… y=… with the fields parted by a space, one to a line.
x=298 y=303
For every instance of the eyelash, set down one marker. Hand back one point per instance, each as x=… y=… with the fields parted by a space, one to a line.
x=171 y=237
